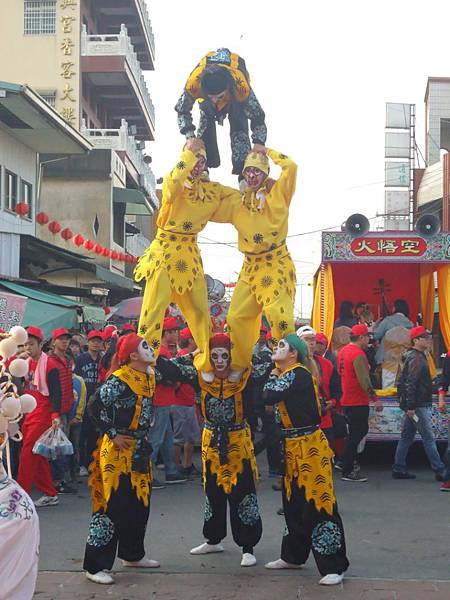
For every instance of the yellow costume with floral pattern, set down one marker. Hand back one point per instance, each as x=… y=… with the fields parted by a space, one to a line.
x=267 y=279
x=171 y=265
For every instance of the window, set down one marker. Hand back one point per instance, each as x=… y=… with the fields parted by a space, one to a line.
x=10 y=190
x=39 y=17
x=119 y=223
x=49 y=97
x=27 y=196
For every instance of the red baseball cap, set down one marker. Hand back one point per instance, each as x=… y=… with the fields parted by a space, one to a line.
x=360 y=329
x=321 y=338
x=186 y=334
x=94 y=333
x=170 y=323
x=60 y=332
x=108 y=332
x=35 y=332
x=129 y=327
x=419 y=331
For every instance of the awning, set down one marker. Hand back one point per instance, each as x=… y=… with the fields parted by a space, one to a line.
x=134 y=199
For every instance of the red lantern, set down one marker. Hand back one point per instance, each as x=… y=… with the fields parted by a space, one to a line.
x=98 y=249
x=78 y=240
x=42 y=218
x=88 y=244
x=106 y=252
x=114 y=255
x=54 y=227
x=22 y=209
x=66 y=234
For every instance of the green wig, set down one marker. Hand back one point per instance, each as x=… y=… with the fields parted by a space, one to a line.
x=299 y=345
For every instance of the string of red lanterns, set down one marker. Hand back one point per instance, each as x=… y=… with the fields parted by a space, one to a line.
x=67 y=234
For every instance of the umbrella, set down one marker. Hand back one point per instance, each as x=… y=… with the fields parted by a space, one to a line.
x=128 y=309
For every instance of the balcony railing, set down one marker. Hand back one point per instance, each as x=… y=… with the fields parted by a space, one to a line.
x=120 y=140
x=118 y=45
x=148 y=28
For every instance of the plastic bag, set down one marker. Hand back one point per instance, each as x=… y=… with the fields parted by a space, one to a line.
x=52 y=444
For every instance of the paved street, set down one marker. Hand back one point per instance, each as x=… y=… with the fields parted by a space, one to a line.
x=396 y=530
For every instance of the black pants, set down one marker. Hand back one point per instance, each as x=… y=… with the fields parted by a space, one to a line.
x=311 y=530
x=274 y=448
x=88 y=440
x=246 y=524
x=123 y=525
x=358 y=426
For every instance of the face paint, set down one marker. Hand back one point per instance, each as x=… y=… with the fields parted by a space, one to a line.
x=146 y=353
x=254 y=177
x=200 y=166
x=281 y=351
x=220 y=358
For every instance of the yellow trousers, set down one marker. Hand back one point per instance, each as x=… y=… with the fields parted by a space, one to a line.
x=192 y=303
x=266 y=284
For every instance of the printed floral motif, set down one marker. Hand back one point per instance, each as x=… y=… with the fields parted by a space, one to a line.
x=101 y=530
x=266 y=281
x=248 y=510
x=187 y=225
x=17 y=506
x=220 y=411
x=181 y=266
x=258 y=238
x=280 y=384
x=326 y=538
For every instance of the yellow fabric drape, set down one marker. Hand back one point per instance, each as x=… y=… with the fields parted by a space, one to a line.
x=444 y=303
x=322 y=318
x=427 y=294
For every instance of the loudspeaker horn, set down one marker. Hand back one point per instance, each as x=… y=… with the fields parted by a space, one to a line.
x=428 y=224
x=356 y=225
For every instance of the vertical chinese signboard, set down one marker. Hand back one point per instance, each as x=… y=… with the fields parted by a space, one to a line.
x=68 y=93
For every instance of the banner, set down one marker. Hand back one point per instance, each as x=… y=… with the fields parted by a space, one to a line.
x=12 y=310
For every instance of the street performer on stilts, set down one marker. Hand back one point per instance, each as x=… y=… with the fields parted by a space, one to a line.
x=230 y=472
x=267 y=278
x=120 y=474
x=312 y=518
x=171 y=265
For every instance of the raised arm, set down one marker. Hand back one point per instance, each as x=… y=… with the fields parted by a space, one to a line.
x=179 y=369
x=277 y=387
x=101 y=407
x=255 y=113
x=286 y=182
x=230 y=202
x=174 y=181
x=184 y=110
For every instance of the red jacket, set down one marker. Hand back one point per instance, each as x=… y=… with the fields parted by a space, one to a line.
x=63 y=391
x=352 y=392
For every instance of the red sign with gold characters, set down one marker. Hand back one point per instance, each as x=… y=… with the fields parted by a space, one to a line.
x=388 y=247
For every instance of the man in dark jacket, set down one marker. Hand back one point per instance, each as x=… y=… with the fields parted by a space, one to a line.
x=415 y=390
x=444 y=384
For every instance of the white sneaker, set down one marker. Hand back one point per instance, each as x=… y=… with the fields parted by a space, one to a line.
x=281 y=564
x=248 y=560
x=47 y=501
x=235 y=375
x=208 y=376
x=84 y=472
x=332 y=579
x=206 y=548
x=144 y=563
x=100 y=577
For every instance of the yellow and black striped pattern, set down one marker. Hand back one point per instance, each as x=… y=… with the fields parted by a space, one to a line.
x=240 y=448
x=308 y=461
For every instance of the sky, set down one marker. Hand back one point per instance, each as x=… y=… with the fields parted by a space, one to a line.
x=322 y=72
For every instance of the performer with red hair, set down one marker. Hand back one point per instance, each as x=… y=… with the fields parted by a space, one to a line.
x=120 y=474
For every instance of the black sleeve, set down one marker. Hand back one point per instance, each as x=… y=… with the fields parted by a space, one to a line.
x=54 y=388
x=173 y=370
x=414 y=367
x=78 y=366
x=335 y=385
x=444 y=379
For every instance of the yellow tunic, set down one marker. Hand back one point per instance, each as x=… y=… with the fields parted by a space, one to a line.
x=267 y=279
x=172 y=262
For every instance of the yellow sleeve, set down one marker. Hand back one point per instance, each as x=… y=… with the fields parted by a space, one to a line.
x=82 y=401
x=230 y=201
x=173 y=182
x=285 y=184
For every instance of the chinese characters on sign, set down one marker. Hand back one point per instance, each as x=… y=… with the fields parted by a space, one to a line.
x=68 y=49
x=12 y=309
x=395 y=246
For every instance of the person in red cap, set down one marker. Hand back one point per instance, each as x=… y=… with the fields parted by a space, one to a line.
x=88 y=366
x=127 y=329
x=121 y=479
x=357 y=391
x=415 y=391
x=34 y=468
x=229 y=465
x=61 y=388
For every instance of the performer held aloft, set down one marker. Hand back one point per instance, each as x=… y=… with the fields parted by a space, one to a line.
x=120 y=474
x=221 y=85
x=267 y=278
x=230 y=472
x=309 y=504
x=171 y=265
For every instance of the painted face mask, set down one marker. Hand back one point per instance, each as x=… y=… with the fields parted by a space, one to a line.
x=281 y=351
x=146 y=353
x=220 y=358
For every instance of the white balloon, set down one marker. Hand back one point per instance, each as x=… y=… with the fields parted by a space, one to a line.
x=10 y=406
x=27 y=403
x=19 y=334
x=8 y=347
x=3 y=424
x=18 y=367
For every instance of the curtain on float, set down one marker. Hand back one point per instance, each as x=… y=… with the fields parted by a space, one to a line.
x=322 y=319
x=443 y=275
x=427 y=294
